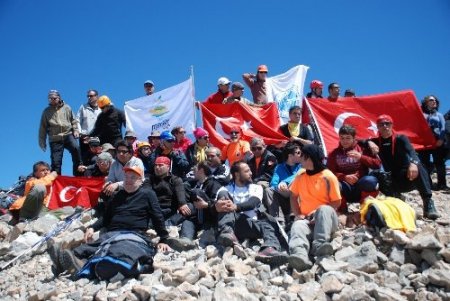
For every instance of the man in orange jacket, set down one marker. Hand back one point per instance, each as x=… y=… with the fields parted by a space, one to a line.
x=37 y=192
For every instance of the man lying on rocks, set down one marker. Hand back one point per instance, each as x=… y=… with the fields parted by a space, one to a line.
x=123 y=248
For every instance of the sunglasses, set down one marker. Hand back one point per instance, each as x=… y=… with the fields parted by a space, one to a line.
x=234 y=133
x=122 y=152
x=204 y=137
x=298 y=153
x=170 y=141
x=53 y=98
x=254 y=148
x=182 y=132
x=380 y=124
x=89 y=96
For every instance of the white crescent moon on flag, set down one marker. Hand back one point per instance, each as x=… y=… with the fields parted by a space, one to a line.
x=62 y=194
x=340 y=119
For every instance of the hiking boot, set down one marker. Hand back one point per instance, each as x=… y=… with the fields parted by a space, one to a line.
x=181 y=244
x=69 y=262
x=227 y=239
x=272 y=257
x=325 y=249
x=300 y=263
x=429 y=211
x=54 y=251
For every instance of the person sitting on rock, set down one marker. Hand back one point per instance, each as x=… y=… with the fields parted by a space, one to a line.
x=350 y=163
x=237 y=205
x=220 y=172
x=101 y=166
x=262 y=162
x=176 y=209
x=399 y=157
x=124 y=158
x=203 y=192
x=278 y=194
x=237 y=149
x=315 y=196
x=91 y=157
x=124 y=247
x=144 y=151
x=37 y=193
x=196 y=152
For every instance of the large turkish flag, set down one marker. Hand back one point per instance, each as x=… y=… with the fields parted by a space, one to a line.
x=362 y=113
x=75 y=191
x=218 y=119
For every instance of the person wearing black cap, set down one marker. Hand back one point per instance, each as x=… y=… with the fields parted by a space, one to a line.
x=349 y=93
x=238 y=91
x=399 y=157
x=315 y=196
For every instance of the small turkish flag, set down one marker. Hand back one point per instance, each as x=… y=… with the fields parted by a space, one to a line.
x=75 y=191
x=219 y=119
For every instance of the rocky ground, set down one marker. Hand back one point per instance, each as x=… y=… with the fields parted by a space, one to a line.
x=389 y=265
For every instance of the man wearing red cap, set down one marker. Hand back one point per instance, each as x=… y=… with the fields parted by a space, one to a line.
x=399 y=157
x=126 y=220
x=171 y=195
x=237 y=149
x=257 y=84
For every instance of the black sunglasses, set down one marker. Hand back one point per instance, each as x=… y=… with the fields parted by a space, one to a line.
x=254 y=148
x=234 y=132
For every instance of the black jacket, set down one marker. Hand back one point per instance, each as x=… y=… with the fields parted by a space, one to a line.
x=264 y=171
x=108 y=126
x=398 y=160
x=190 y=154
x=170 y=192
x=180 y=165
x=132 y=212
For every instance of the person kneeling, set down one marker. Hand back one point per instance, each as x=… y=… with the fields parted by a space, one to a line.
x=123 y=248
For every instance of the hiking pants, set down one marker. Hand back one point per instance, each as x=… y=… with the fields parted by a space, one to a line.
x=245 y=227
x=57 y=152
x=319 y=230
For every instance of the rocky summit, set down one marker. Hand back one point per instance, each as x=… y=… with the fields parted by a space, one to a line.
x=366 y=265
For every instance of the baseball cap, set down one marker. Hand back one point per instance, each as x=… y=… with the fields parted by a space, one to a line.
x=130 y=133
x=237 y=85
x=223 y=81
x=263 y=68
x=135 y=169
x=94 y=141
x=107 y=146
x=148 y=82
x=154 y=134
x=385 y=118
x=103 y=101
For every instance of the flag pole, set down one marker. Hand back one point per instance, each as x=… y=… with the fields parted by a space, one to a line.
x=191 y=69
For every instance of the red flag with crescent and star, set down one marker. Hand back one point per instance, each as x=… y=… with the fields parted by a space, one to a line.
x=219 y=119
x=362 y=113
x=75 y=191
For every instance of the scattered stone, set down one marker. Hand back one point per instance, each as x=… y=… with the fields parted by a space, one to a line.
x=330 y=284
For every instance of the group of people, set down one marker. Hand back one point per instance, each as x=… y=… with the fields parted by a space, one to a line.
x=246 y=190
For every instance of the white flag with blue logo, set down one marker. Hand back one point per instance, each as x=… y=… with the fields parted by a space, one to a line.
x=162 y=110
x=287 y=90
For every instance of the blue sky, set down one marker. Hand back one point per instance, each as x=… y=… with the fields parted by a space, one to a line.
x=114 y=46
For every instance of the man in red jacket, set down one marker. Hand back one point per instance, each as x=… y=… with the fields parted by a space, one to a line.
x=350 y=163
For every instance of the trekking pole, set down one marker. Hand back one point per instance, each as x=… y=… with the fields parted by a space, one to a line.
x=60 y=227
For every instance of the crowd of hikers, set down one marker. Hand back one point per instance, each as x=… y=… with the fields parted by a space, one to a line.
x=288 y=195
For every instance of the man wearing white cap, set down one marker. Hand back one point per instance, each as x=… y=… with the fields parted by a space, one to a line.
x=223 y=92
x=149 y=87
